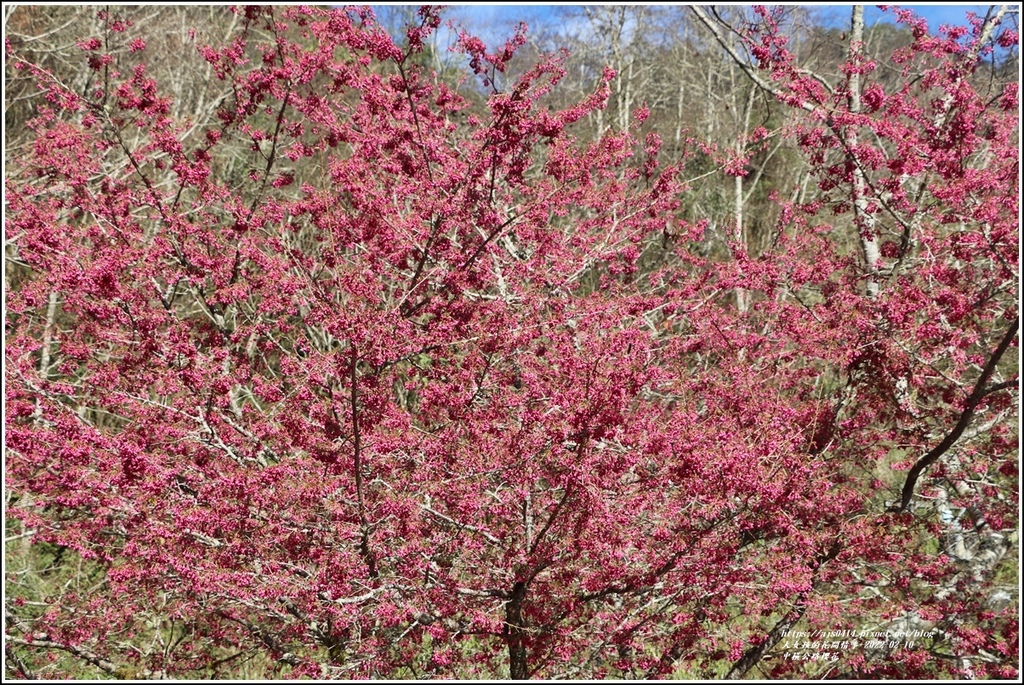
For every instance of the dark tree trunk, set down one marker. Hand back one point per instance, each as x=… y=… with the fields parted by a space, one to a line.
x=514 y=630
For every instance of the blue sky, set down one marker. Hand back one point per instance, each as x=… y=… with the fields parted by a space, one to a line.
x=495 y=21
x=935 y=14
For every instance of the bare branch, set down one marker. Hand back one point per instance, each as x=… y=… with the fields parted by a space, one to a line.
x=742 y=63
x=490 y=538
x=980 y=391
x=108 y=667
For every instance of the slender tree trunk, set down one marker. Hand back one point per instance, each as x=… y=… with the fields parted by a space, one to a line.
x=514 y=630
x=44 y=373
x=739 y=236
x=51 y=314
x=741 y=293
x=679 y=117
x=864 y=221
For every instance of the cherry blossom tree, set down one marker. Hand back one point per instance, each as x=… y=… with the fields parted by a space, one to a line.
x=363 y=380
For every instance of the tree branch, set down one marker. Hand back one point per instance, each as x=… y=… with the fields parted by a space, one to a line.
x=364 y=526
x=99 y=662
x=754 y=655
x=980 y=391
x=18 y=664
x=742 y=63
